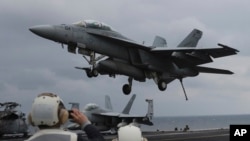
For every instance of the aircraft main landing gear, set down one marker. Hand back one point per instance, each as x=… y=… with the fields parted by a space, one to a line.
x=127 y=87
x=162 y=85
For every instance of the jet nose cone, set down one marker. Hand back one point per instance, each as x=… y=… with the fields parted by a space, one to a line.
x=46 y=31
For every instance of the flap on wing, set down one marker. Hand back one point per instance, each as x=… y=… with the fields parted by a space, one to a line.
x=123 y=41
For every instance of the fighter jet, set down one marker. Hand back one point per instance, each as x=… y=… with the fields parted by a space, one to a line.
x=105 y=119
x=110 y=53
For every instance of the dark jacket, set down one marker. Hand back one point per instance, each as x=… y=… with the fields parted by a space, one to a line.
x=92 y=133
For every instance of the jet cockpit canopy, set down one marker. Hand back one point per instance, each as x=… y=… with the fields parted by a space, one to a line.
x=91 y=106
x=93 y=24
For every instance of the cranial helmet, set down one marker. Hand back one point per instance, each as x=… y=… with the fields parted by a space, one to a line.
x=48 y=110
x=130 y=133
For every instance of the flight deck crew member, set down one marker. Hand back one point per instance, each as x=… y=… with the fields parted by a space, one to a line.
x=49 y=113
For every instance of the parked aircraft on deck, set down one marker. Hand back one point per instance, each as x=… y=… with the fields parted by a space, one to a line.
x=12 y=121
x=106 y=119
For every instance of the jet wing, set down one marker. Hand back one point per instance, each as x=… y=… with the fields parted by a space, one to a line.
x=122 y=41
x=214 y=52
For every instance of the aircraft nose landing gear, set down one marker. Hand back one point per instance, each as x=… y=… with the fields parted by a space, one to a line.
x=90 y=72
x=93 y=59
x=94 y=72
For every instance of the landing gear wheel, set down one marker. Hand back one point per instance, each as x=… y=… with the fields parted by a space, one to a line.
x=25 y=134
x=126 y=89
x=89 y=73
x=162 y=85
x=94 y=72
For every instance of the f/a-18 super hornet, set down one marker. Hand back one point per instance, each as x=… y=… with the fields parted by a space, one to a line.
x=95 y=40
x=106 y=119
x=11 y=120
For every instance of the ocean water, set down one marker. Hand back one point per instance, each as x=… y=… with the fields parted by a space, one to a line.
x=196 y=122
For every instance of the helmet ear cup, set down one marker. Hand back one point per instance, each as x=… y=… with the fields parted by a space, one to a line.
x=63 y=116
x=30 y=120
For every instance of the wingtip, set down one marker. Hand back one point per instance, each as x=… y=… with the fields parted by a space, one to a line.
x=225 y=46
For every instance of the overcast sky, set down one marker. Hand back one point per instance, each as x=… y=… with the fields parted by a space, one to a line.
x=31 y=65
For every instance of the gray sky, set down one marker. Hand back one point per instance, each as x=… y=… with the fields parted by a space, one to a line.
x=31 y=65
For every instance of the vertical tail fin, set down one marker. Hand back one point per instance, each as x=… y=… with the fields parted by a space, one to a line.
x=108 y=104
x=159 y=42
x=150 y=112
x=126 y=110
x=192 y=39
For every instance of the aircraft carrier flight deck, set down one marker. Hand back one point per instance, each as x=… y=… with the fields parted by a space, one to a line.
x=204 y=135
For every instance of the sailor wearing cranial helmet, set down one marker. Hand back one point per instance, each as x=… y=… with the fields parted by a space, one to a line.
x=48 y=113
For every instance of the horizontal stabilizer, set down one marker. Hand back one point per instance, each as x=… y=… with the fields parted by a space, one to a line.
x=213 y=70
